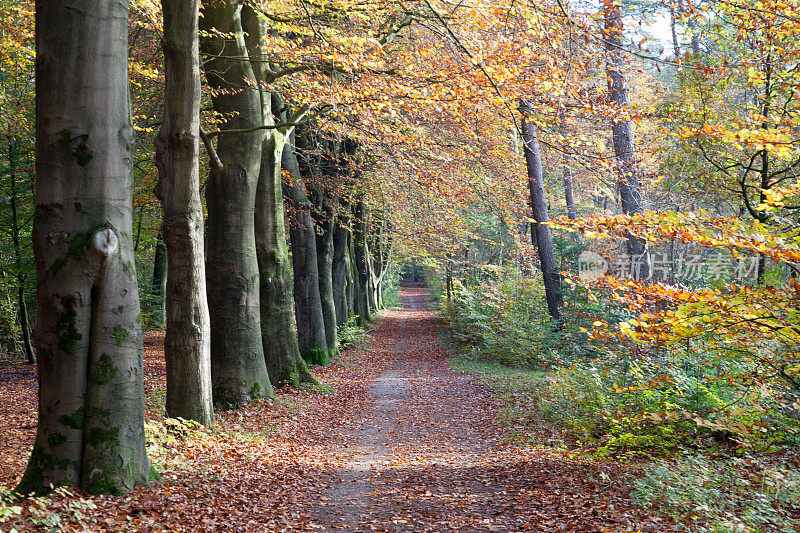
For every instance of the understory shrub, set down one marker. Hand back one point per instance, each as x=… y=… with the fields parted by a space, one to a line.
x=610 y=396
x=65 y=511
x=739 y=494
x=503 y=317
x=648 y=407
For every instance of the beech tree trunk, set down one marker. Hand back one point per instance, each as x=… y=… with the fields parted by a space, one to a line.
x=187 y=344
x=325 y=225
x=238 y=367
x=278 y=330
x=541 y=227
x=622 y=134
x=568 y=196
x=307 y=301
x=350 y=289
x=341 y=272
x=88 y=337
x=362 y=263
x=159 y=284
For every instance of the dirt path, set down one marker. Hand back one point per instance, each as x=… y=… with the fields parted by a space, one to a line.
x=428 y=454
x=397 y=442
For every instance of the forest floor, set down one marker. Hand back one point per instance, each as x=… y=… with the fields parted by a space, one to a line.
x=396 y=440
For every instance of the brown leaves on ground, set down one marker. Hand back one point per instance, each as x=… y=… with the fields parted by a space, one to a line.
x=400 y=442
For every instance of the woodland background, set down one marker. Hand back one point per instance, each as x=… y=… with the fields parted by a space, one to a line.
x=484 y=148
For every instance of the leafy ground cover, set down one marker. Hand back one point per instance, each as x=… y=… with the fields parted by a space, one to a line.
x=701 y=489
x=395 y=440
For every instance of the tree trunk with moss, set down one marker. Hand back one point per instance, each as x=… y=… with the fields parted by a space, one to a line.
x=238 y=367
x=88 y=337
x=307 y=301
x=341 y=273
x=361 y=263
x=325 y=222
x=187 y=344
x=278 y=330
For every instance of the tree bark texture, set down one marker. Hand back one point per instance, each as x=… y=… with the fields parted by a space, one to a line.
x=187 y=344
x=541 y=227
x=159 y=283
x=307 y=301
x=278 y=328
x=325 y=222
x=341 y=272
x=238 y=367
x=362 y=262
x=88 y=336
x=622 y=133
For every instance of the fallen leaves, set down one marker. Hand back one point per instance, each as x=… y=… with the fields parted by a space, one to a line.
x=401 y=443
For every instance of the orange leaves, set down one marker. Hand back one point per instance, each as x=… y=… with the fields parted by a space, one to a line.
x=697 y=227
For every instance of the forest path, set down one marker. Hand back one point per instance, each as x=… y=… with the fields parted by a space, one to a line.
x=398 y=441
x=428 y=454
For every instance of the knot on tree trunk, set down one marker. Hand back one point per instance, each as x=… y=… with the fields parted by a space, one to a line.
x=104 y=243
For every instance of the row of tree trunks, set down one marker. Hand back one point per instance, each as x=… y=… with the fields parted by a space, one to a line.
x=226 y=341
x=307 y=298
x=238 y=366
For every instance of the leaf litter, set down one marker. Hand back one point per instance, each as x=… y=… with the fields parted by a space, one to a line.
x=395 y=441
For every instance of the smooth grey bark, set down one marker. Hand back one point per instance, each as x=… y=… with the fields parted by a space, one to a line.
x=278 y=329
x=362 y=263
x=325 y=222
x=622 y=134
x=22 y=306
x=541 y=227
x=187 y=344
x=381 y=257
x=341 y=272
x=568 y=194
x=238 y=367
x=307 y=301
x=351 y=274
x=88 y=337
x=158 y=286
